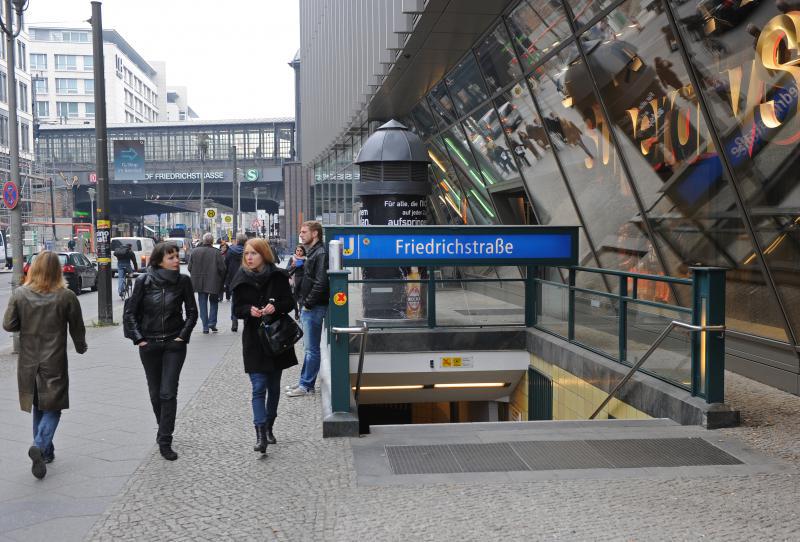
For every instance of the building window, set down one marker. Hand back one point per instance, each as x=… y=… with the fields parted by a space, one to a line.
x=3 y=129
x=128 y=98
x=40 y=86
x=89 y=107
x=22 y=101
x=88 y=86
x=43 y=109
x=67 y=109
x=62 y=35
x=88 y=63
x=3 y=87
x=66 y=86
x=38 y=61
x=22 y=56
x=66 y=62
x=24 y=139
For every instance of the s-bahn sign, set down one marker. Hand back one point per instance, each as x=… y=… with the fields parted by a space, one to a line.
x=443 y=245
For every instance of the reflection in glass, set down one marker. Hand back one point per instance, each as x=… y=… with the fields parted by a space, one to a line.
x=466 y=85
x=423 y=119
x=535 y=28
x=581 y=139
x=441 y=104
x=486 y=136
x=497 y=60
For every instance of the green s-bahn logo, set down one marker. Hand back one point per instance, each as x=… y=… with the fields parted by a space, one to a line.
x=251 y=175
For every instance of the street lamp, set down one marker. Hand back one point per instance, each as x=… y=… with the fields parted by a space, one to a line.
x=255 y=195
x=91 y=192
x=202 y=147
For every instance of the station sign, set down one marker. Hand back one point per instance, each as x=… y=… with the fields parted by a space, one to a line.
x=227 y=219
x=211 y=213
x=447 y=245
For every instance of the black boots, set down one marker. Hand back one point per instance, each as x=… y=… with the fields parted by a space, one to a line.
x=270 y=436
x=167 y=452
x=261 y=439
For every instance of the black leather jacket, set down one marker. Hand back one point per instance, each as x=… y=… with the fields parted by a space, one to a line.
x=314 y=290
x=155 y=308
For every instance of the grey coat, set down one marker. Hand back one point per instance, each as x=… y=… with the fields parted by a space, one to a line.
x=207 y=268
x=42 y=321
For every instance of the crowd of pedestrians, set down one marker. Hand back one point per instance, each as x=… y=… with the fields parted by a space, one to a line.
x=159 y=317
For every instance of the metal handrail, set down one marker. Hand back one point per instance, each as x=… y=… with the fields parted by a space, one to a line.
x=363 y=331
x=672 y=325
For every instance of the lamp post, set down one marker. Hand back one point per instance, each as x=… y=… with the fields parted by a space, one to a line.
x=91 y=192
x=202 y=147
x=255 y=195
x=7 y=25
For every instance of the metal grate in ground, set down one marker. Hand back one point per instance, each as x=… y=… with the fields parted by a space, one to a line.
x=556 y=455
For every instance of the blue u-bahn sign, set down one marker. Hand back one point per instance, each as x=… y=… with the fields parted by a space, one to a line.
x=456 y=245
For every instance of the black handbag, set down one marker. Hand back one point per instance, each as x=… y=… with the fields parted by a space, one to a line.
x=279 y=334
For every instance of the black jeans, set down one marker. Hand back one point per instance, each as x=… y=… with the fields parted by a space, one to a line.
x=162 y=361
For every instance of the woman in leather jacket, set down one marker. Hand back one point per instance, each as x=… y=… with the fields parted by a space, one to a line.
x=154 y=320
x=262 y=289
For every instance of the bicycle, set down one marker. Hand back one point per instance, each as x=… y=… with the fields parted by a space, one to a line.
x=129 y=278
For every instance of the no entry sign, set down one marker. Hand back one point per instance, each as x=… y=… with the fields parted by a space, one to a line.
x=10 y=195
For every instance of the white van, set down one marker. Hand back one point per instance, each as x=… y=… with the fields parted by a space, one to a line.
x=142 y=247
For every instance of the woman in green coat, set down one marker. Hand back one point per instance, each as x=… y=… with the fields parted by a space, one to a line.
x=41 y=310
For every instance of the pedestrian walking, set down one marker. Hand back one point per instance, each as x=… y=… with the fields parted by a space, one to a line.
x=154 y=320
x=314 y=293
x=126 y=263
x=296 y=271
x=260 y=288
x=42 y=310
x=207 y=268
x=233 y=261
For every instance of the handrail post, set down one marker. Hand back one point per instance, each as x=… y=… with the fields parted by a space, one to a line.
x=431 y=299
x=571 y=306
x=531 y=301
x=339 y=316
x=622 y=321
x=708 y=347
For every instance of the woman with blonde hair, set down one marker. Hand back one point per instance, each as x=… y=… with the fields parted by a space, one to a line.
x=262 y=289
x=41 y=311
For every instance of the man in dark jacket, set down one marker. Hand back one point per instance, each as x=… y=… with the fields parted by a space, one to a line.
x=207 y=268
x=126 y=262
x=233 y=261
x=313 y=300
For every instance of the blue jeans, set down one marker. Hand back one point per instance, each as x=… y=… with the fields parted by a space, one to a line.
x=312 y=335
x=45 y=423
x=208 y=319
x=122 y=270
x=266 y=394
x=233 y=316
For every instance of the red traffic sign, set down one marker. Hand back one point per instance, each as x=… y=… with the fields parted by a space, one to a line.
x=93 y=177
x=10 y=195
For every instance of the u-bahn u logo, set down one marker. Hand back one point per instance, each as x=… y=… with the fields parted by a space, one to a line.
x=350 y=246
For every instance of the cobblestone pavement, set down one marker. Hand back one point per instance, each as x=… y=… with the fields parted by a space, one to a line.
x=306 y=488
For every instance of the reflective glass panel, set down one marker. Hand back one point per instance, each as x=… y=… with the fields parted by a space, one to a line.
x=441 y=104
x=466 y=85
x=536 y=27
x=486 y=136
x=497 y=59
x=572 y=116
x=423 y=119
x=745 y=56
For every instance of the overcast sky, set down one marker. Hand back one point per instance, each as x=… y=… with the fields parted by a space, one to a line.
x=232 y=55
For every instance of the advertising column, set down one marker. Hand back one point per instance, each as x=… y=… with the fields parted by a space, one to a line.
x=393 y=191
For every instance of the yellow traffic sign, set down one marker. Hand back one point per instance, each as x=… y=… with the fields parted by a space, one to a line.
x=211 y=213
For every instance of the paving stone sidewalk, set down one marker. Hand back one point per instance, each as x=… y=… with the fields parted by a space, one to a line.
x=305 y=489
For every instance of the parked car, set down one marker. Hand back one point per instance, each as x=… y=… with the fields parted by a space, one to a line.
x=142 y=247
x=79 y=272
x=184 y=247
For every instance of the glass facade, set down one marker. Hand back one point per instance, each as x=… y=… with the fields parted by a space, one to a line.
x=589 y=113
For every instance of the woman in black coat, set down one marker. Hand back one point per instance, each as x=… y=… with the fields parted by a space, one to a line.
x=154 y=321
x=260 y=288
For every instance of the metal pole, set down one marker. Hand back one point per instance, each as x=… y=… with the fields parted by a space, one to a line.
x=202 y=147
x=91 y=192
x=53 y=213
x=17 y=234
x=105 y=311
x=255 y=194
x=235 y=202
